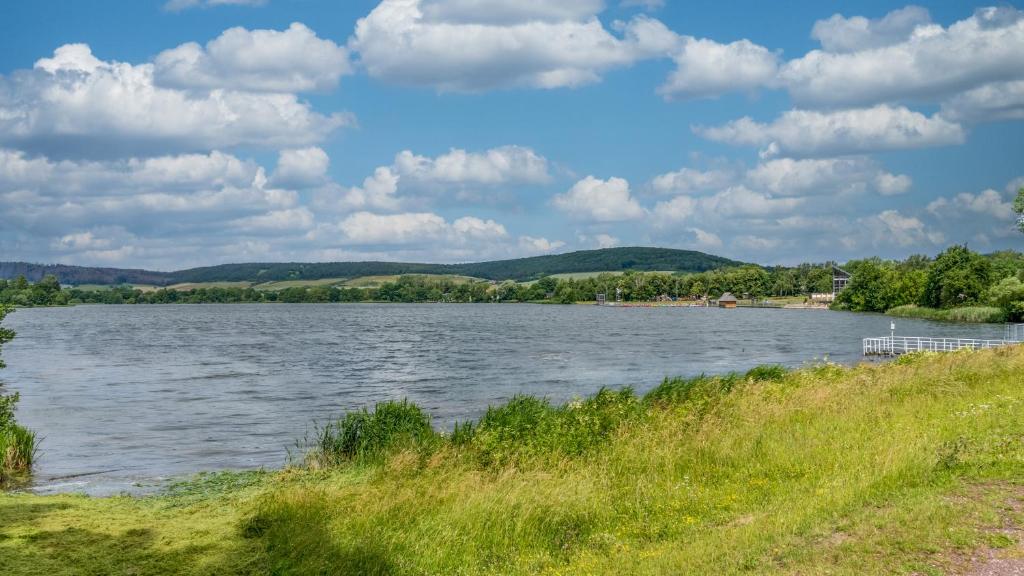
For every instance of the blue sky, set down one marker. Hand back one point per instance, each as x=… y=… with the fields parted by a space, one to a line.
x=192 y=132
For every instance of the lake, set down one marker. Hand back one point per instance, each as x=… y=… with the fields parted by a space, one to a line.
x=125 y=397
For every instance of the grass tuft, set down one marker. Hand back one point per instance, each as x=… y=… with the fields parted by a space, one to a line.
x=365 y=435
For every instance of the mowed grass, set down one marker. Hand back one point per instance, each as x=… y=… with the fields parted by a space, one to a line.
x=902 y=468
x=195 y=285
x=282 y=284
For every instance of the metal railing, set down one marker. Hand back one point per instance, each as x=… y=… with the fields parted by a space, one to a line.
x=893 y=346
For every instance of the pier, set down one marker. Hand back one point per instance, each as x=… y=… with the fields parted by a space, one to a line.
x=896 y=345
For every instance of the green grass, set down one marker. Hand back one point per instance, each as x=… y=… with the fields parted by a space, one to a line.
x=195 y=285
x=901 y=468
x=282 y=284
x=977 y=314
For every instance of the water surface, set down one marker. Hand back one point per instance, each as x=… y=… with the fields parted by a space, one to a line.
x=127 y=395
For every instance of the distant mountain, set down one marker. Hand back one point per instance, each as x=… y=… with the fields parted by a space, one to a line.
x=606 y=259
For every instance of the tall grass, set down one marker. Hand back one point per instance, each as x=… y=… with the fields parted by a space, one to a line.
x=366 y=435
x=825 y=469
x=975 y=314
x=17 y=444
x=17 y=452
x=903 y=468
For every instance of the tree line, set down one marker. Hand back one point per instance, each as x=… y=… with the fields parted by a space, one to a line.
x=957 y=277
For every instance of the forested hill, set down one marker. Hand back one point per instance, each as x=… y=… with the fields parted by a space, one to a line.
x=607 y=259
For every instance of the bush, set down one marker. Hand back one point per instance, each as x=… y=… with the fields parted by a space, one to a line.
x=974 y=314
x=363 y=434
x=17 y=452
x=528 y=427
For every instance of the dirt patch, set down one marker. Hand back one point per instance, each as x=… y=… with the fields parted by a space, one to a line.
x=1006 y=556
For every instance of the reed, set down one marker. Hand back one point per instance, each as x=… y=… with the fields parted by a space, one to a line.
x=972 y=314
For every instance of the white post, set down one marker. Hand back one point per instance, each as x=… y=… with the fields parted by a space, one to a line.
x=892 y=336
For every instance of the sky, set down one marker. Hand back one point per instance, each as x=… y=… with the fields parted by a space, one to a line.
x=172 y=134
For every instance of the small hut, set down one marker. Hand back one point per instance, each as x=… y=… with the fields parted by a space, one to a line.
x=727 y=300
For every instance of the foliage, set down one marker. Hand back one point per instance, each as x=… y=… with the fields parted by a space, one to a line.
x=972 y=314
x=366 y=435
x=17 y=444
x=1008 y=294
x=1018 y=207
x=957 y=277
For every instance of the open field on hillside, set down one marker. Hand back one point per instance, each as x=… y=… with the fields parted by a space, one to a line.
x=912 y=467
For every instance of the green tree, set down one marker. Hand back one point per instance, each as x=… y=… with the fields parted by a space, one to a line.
x=1008 y=294
x=957 y=277
x=1018 y=207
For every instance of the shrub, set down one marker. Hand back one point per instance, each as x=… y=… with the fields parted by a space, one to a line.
x=767 y=373
x=369 y=435
x=975 y=314
x=17 y=452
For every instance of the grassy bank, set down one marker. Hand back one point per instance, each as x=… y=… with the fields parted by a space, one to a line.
x=908 y=467
x=976 y=314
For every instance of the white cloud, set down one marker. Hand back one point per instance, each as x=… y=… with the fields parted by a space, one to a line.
x=855 y=131
x=178 y=5
x=988 y=203
x=503 y=165
x=991 y=102
x=292 y=60
x=789 y=177
x=705 y=68
x=931 y=63
x=301 y=168
x=468 y=46
x=606 y=241
x=532 y=245
x=890 y=227
x=705 y=239
x=300 y=218
x=891 y=184
x=599 y=200
x=417 y=228
x=369 y=228
x=688 y=180
x=841 y=34
x=76 y=105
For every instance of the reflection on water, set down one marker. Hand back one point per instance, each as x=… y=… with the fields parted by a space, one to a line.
x=132 y=394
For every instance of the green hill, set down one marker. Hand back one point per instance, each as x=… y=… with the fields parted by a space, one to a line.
x=608 y=259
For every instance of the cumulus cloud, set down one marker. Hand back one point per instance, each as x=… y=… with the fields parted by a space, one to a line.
x=989 y=203
x=77 y=105
x=301 y=168
x=841 y=34
x=292 y=60
x=706 y=68
x=474 y=45
x=789 y=177
x=539 y=245
x=991 y=102
x=503 y=165
x=599 y=201
x=931 y=63
x=415 y=227
x=689 y=180
x=855 y=131
x=893 y=228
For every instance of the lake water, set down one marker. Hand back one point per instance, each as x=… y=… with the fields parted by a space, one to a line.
x=127 y=396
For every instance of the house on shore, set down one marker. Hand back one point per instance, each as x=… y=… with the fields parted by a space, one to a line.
x=727 y=300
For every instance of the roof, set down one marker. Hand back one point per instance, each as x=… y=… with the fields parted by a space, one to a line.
x=727 y=297
x=837 y=271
